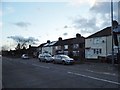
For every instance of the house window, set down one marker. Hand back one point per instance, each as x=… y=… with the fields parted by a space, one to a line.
x=56 y=47
x=97 y=51
x=75 y=53
x=66 y=52
x=96 y=40
x=81 y=45
x=65 y=46
x=75 y=46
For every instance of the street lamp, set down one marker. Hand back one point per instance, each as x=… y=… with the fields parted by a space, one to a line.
x=112 y=31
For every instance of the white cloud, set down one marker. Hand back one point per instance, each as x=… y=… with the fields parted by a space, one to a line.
x=78 y=3
x=99 y=17
x=35 y=0
x=104 y=8
x=22 y=24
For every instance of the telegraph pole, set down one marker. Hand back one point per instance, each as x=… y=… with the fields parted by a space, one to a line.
x=112 y=31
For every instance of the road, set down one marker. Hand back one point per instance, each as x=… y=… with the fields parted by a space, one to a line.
x=19 y=73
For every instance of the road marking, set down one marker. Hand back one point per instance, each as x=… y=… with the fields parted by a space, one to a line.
x=102 y=72
x=33 y=64
x=94 y=78
x=40 y=66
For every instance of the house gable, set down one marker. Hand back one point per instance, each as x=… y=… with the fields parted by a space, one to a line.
x=101 y=33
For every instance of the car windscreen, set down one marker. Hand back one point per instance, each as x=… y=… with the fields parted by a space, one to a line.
x=64 y=56
x=47 y=55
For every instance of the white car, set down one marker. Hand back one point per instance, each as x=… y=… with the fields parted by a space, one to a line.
x=64 y=59
x=45 y=57
x=25 y=56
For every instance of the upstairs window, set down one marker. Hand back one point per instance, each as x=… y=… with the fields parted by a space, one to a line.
x=97 y=40
x=65 y=46
x=75 y=46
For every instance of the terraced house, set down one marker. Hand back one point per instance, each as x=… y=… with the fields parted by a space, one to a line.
x=74 y=47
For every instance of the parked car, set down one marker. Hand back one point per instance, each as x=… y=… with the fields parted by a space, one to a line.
x=64 y=59
x=25 y=56
x=109 y=58
x=45 y=57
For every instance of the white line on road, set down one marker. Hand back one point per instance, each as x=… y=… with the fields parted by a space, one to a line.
x=33 y=64
x=113 y=74
x=94 y=78
x=40 y=66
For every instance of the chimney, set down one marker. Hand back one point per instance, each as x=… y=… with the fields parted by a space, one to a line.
x=29 y=46
x=60 y=39
x=78 y=35
x=48 y=41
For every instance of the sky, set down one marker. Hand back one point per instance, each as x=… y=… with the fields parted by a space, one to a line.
x=50 y=19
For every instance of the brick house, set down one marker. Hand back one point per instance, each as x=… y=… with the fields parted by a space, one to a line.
x=74 y=47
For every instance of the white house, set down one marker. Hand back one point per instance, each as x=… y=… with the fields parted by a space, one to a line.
x=49 y=48
x=99 y=44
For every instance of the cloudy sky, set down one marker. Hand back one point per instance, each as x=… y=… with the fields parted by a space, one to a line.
x=50 y=19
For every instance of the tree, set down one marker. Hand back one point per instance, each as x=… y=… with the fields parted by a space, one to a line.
x=18 y=47
x=23 y=42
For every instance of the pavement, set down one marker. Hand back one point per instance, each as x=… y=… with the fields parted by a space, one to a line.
x=99 y=67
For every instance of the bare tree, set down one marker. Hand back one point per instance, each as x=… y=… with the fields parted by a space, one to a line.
x=23 y=42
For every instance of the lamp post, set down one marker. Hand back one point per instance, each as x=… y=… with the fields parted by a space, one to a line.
x=112 y=31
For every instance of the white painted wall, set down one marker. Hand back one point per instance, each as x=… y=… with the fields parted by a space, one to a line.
x=48 y=49
x=95 y=43
x=106 y=46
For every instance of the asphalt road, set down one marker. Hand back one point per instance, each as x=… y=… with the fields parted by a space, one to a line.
x=19 y=73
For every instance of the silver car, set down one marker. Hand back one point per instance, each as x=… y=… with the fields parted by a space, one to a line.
x=45 y=58
x=25 y=56
x=64 y=59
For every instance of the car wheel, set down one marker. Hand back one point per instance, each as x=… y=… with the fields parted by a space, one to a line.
x=63 y=62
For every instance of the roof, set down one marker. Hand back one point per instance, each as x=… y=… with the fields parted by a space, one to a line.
x=41 y=45
x=70 y=41
x=49 y=44
x=105 y=32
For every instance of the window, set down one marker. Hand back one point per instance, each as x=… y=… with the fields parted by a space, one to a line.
x=97 y=51
x=81 y=45
x=75 y=46
x=75 y=53
x=56 y=47
x=65 y=46
x=96 y=40
x=66 y=52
